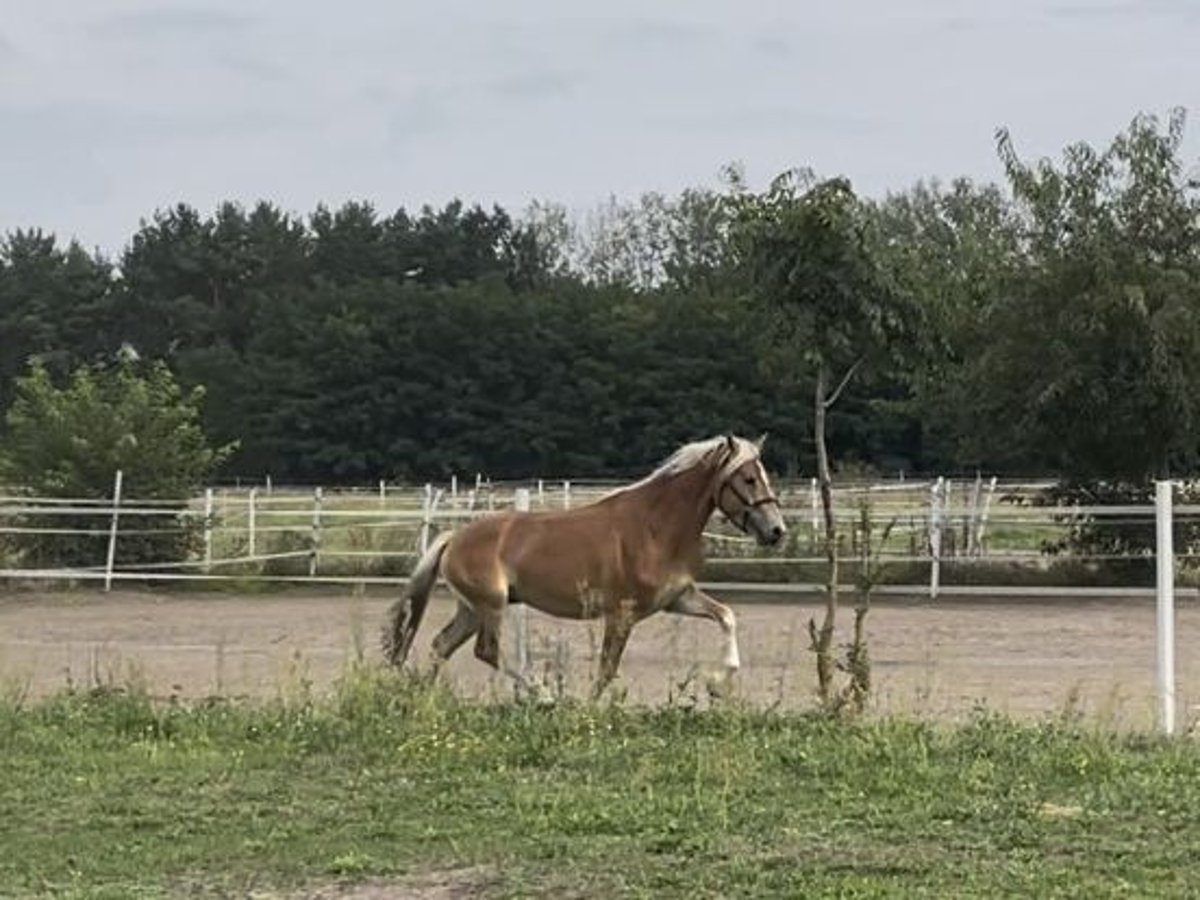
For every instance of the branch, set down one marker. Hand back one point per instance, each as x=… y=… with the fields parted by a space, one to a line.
x=833 y=398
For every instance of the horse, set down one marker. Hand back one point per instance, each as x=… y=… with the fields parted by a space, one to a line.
x=631 y=553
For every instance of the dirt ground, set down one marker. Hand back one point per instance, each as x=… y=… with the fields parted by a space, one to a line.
x=1024 y=657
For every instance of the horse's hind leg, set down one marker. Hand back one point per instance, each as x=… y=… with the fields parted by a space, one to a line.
x=487 y=649
x=480 y=613
x=487 y=641
x=464 y=624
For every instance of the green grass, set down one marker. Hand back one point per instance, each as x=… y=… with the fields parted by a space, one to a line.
x=105 y=794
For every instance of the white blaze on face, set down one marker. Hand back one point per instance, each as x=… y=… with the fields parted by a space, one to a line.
x=762 y=474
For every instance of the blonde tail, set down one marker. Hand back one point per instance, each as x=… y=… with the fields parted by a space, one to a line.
x=405 y=615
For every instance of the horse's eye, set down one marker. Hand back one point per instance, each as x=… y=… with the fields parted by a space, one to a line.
x=750 y=480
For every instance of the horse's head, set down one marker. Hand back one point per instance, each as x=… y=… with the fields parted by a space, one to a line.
x=744 y=493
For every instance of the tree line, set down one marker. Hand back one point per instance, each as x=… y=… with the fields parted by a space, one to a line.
x=1049 y=324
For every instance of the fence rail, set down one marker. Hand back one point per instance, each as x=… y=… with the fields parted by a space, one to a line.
x=380 y=531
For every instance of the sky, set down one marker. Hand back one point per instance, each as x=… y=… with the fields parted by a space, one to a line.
x=111 y=109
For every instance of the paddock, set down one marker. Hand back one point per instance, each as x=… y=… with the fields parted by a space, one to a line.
x=1024 y=656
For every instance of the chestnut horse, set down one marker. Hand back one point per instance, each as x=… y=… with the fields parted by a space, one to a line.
x=632 y=553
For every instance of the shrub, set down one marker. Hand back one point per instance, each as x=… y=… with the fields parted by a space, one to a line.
x=68 y=442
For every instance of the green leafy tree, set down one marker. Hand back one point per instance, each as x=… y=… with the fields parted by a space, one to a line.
x=831 y=310
x=1092 y=370
x=1094 y=354
x=953 y=249
x=55 y=303
x=68 y=442
x=657 y=241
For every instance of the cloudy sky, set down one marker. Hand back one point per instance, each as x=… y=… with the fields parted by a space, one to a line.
x=109 y=110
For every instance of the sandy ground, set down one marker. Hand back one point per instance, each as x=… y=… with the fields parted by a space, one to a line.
x=1024 y=657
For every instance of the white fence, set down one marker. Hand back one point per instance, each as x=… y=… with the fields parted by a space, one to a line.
x=973 y=525
x=986 y=529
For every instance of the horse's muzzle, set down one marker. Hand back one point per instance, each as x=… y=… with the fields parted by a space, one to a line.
x=768 y=533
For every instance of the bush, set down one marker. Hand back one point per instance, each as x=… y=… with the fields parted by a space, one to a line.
x=1124 y=546
x=69 y=442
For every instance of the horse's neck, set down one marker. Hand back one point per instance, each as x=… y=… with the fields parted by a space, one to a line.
x=678 y=507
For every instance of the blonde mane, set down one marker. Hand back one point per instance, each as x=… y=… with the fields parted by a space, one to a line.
x=691 y=455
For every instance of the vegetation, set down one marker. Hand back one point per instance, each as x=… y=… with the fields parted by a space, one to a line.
x=1050 y=325
x=106 y=794
x=68 y=443
x=805 y=250
x=1059 y=325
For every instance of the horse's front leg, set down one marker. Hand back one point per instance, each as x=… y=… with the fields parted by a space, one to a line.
x=617 y=625
x=694 y=602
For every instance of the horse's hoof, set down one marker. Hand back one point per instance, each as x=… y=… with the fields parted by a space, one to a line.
x=721 y=685
x=535 y=692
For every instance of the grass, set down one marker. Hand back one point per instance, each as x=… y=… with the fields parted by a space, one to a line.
x=106 y=794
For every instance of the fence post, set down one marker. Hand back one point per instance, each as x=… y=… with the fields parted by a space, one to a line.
x=815 y=504
x=936 y=509
x=948 y=517
x=426 y=519
x=383 y=492
x=971 y=522
x=252 y=526
x=1165 y=611
x=112 y=533
x=983 y=516
x=208 y=528
x=541 y=494
x=566 y=495
x=520 y=613
x=315 y=553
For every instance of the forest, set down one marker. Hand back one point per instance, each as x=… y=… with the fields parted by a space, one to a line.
x=1047 y=324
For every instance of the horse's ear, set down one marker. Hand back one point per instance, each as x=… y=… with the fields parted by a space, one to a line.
x=762 y=439
x=730 y=443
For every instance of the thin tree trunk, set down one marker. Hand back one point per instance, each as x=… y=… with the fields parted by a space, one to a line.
x=858 y=661
x=822 y=638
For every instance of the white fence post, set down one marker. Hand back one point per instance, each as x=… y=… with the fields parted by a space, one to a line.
x=948 y=517
x=383 y=492
x=111 y=558
x=315 y=553
x=1165 y=612
x=566 y=495
x=426 y=519
x=252 y=526
x=429 y=507
x=208 y=528
x=936 y=511
x=983 y=516
x=971 y=524
x=815 y=504
x=519 y=613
